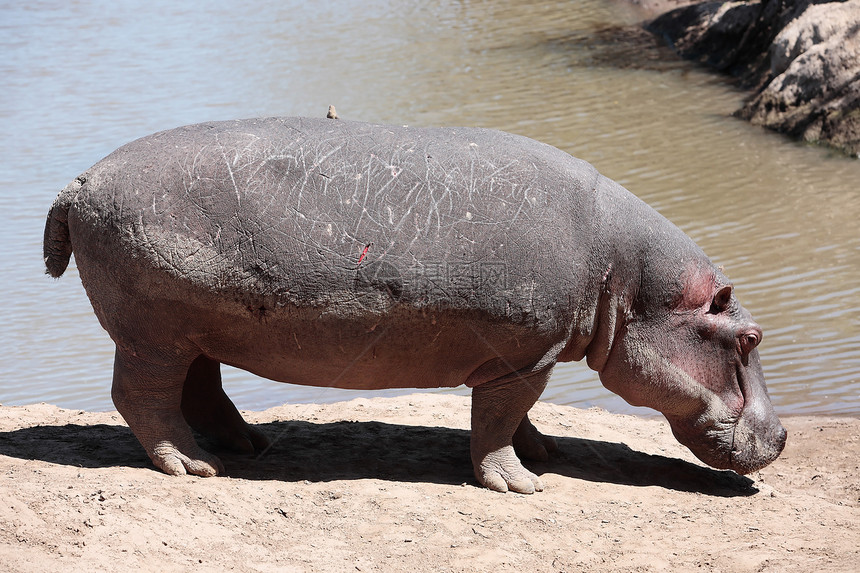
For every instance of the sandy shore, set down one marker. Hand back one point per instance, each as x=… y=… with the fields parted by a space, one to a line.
x=385 y=485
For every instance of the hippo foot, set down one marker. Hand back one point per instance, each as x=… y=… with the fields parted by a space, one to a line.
x=148 y=395
x=171 y=460
x=530 y=444
x=218 y=420
x=500 y=424
x=502 y=471
x=240 y=438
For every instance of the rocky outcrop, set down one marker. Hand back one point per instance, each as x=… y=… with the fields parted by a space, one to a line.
x=801 y=58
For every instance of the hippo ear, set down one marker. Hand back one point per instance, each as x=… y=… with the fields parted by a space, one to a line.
x=721 y=299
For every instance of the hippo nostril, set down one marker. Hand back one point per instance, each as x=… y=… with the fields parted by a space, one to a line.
x=749 y=339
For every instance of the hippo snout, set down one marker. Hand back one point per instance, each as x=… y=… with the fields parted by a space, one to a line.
x=744 y=445
x=756 y=444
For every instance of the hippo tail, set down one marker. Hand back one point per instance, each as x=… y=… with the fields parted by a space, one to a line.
x=57 y=245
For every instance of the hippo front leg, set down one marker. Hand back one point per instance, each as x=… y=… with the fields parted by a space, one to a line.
x=148 y=395
x=499 y=422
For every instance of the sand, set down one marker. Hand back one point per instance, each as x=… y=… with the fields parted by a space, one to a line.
x=386 y=485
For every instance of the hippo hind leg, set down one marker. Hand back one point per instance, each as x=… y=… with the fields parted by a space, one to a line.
x=209 y=411
x=501 y=429
x=148 y=395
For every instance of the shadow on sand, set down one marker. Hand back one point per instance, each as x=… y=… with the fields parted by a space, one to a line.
x=358 y=450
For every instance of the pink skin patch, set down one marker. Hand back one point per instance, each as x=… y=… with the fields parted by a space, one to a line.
x=707 y=298
x=700 y=284
x=364 y=252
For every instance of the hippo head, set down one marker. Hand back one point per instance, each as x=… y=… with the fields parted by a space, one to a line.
x=687 y=348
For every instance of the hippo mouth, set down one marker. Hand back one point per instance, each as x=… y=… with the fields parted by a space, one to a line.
x=758 y=436
x=738 y=436
x=738 y=461
x=711 y=441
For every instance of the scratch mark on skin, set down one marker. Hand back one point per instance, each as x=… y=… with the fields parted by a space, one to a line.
x=363 y=253
x=412 y=242
x=434 y=207
x=406 y=199
x=383 y=188
x=504 y=167
x=520 y=209
x=403 y=219
x=314 y=169
x=232 y=178
x=369 y=170
x=377 y=223
x=304 y=169
x=296 y=338
x=349 y=236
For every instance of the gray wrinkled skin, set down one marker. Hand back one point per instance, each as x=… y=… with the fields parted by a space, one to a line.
x=343 y=254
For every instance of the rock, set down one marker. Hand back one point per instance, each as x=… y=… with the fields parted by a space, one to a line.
x=801 y=58
x=815 y=88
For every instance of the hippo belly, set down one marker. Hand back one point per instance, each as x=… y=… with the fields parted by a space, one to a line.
x=399 y=350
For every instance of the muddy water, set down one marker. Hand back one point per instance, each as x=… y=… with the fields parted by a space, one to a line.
x=80 y=79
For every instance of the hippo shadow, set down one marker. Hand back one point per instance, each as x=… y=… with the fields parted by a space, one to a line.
x=322 y=452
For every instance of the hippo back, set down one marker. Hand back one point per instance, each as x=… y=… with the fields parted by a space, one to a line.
x=305 y=212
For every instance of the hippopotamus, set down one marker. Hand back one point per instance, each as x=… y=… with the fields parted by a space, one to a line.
x=344 y=254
